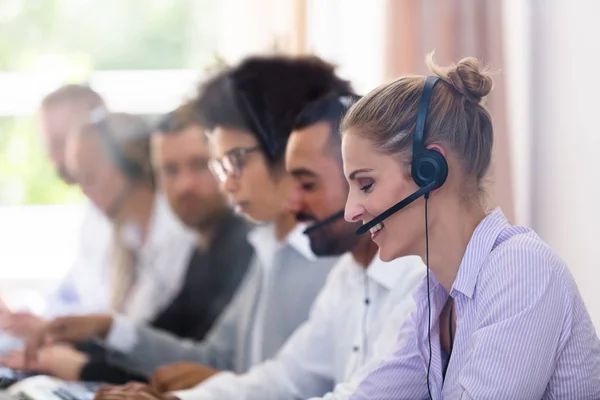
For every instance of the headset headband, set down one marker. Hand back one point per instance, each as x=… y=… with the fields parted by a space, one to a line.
x=418 y=136
x=98 y=118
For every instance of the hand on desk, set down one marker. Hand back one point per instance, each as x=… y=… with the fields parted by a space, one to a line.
x=59 y=360
x=131 y=391
x=180 y=376
x=71 y=329
x=19 y=324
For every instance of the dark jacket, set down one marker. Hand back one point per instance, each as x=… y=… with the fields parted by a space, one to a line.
x=212 y=278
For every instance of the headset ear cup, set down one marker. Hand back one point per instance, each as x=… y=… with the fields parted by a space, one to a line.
x=430 y=166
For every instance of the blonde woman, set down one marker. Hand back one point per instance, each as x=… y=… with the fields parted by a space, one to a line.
x=501 y=316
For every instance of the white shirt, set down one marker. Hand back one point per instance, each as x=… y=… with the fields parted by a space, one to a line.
x=354 y=320
x=162 y=262
x=84 y=288
x=161 y=266
x=280 y=287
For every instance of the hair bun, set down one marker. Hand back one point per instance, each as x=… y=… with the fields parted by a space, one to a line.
x=467 y=77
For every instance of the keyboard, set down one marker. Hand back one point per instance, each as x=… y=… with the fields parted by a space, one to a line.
x=9 y=376
x=47 y=388
x=77 y=390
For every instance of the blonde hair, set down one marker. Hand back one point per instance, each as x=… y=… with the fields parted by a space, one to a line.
x=457 y=118
x=126 y=142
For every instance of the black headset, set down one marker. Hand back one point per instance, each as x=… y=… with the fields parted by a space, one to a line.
x=131 y=169
x=428 y=167
x=429 y=170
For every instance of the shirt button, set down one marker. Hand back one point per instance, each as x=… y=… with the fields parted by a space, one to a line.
x=355 y=349
x=367 y=302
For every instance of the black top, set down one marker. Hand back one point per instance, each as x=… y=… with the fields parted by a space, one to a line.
x=212 y=278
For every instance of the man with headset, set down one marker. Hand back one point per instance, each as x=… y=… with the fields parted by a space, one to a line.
x=355 y=317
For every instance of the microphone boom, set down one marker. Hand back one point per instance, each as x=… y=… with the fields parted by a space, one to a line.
x=326 y=221
x=395 y=208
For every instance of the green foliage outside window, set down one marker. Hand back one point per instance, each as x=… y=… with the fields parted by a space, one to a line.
x=77 y=37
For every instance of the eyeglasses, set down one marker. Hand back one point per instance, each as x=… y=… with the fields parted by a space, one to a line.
x=231 y=164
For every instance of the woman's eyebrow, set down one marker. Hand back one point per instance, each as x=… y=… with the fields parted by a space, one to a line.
x=353 y=174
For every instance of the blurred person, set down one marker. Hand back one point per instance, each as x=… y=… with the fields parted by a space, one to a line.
x=248 y=159
x=500 y=315
x=151 y=248
x=180 y=160
x=62 y=111
x=110 y=159
x=357 y=314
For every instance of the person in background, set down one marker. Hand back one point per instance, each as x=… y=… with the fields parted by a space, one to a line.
x=62 y=111
x=180 y=160
x=248 y=159
x=356 y=316
x=507 y=319
x=110 y=159
x=151 y=249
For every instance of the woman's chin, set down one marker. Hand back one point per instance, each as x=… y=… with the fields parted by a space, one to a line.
x=254 y=217
x=387 y=254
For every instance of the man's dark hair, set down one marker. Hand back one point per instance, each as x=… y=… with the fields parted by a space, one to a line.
x=264 y=95
x=329 y=109
x=176 y=121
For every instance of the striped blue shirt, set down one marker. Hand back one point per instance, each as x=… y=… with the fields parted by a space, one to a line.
x=522 y=331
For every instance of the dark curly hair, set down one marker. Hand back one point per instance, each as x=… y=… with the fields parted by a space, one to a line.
x=263 y=95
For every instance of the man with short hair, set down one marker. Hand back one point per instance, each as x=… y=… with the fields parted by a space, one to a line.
x=62 y=111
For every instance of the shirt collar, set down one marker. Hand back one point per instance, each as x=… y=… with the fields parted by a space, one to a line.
x=262 y=238
x=300 y=242
x=479 y=248
x=387 y=274
x=160 y=228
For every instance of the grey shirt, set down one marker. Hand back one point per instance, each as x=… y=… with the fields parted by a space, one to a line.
x=274 y=299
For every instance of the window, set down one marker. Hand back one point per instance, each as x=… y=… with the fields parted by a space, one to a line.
x=143 y=56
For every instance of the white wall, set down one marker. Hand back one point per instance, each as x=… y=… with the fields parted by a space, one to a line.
x=565 y=145
x=517 y=70
x=350 y=34
x=245 y=31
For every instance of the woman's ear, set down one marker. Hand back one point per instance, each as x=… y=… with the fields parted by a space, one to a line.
x=437 y=148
